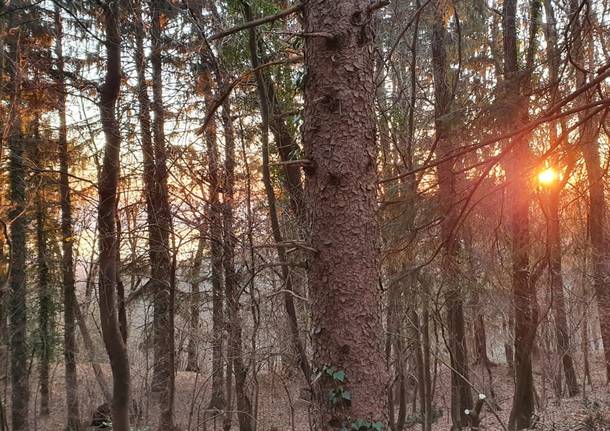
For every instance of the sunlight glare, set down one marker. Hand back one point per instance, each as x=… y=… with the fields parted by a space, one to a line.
x=548 y=176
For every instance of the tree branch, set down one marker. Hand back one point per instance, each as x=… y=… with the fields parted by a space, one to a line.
x=236 y=82
x=257 y=22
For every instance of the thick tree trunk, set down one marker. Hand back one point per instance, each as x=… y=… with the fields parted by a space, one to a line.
x=108 y=185
x=67 y=263
x=163 y=373
x=17 y=307
x=524 y=294
x=17 y=303
x=523 y=291
x=339 y=139
x=461 y=396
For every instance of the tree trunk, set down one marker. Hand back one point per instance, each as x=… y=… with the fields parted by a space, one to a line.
x=426 y=356
x=43 y=279
x=557 y=295
x=461 y=396
x=271 y=118
x=480 y=334
x=17 y=302
x=244 y=407
x=524 y=294
x=394 y=355
x=214 y=210
x=217 y=402
x=195 y=304
x=339 y=140
x=553 y=227
x=600 y=250
x=509 y=353
x=90 y=348
x=67 y=263
x=163 y=373
x=108 y=185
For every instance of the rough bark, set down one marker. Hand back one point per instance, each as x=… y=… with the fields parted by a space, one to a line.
x=461 y=396
x=43 y=281
x=67 y=263
x=108 y=185
x=523 y=292
x=163 y=330
x=17 y=301
x=339 y=139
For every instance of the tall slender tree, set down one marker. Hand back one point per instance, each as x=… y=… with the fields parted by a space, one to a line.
x=45 y=341
x=580 y=50
x=192 y=363
x=214 y=209
x=448 y=195
x=67 y=237
x=163 y=378
x=107 y=207
x=519 y=188
x=17 y=280
x=287 y=148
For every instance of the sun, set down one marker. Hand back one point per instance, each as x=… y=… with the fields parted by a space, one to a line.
x=548 y=176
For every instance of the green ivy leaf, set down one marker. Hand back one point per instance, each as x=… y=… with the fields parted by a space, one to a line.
x=346 y=395
x=339 y=376
x=377 y=426
x=360 y=424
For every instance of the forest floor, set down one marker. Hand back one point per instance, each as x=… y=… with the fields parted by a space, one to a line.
x=280 y=408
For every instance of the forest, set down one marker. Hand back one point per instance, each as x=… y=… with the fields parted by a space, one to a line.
x=284 y=215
